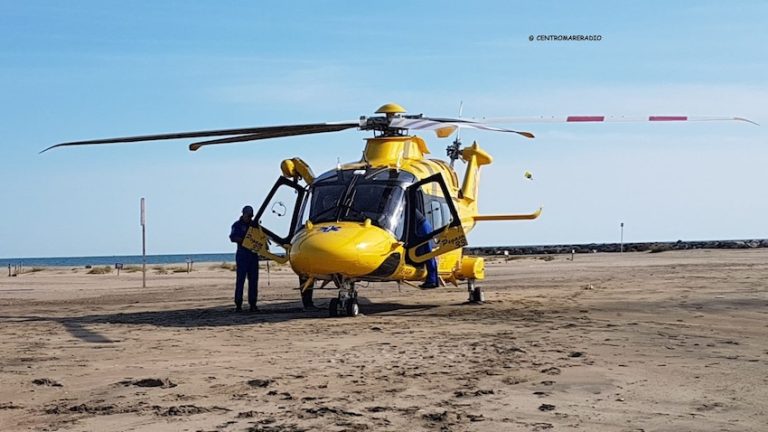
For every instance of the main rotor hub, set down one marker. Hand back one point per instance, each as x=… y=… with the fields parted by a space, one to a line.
x=390 y=109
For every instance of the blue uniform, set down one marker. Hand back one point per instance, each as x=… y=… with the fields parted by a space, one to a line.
x=247 y=266
x=423 y=228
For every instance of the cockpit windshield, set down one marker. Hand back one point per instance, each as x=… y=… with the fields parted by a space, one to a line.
x=359 y=195
x=381 y=203
x=325 y=199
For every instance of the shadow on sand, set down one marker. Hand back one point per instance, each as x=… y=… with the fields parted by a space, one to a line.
x=218 y=316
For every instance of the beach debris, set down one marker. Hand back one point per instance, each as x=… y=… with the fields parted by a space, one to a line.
x=376 y=409
x=93 y=409
x=323 y=410
x=184 y=410
x=512 y=380
x=260 y=382
x=436 y=417
x=551 y=371
x=461 y=393
x=82 y=409
x=475 y=418
x=149 y=382
x=270 y=425
x=46 y=382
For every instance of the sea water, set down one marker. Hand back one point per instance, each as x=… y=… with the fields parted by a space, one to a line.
x=112 y=260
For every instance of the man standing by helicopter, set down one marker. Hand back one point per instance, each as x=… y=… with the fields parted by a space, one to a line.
x=247 y=262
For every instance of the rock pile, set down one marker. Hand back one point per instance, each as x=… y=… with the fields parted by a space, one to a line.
x=616 y=247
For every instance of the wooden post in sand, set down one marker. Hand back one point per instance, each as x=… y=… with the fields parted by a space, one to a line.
x=143 y=247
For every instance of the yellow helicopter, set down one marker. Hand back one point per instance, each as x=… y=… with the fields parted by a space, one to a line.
x=385 y=217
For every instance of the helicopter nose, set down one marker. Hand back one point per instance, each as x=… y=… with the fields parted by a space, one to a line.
x=347 y=248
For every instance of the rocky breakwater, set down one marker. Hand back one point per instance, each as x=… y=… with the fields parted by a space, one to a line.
x=616 y=247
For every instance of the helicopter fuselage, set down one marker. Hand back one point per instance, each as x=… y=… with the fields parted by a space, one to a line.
x=358 y=222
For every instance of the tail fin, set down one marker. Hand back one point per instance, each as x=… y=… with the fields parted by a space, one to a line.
x=475 y=157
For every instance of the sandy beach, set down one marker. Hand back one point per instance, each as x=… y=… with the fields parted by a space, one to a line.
x=671 y=341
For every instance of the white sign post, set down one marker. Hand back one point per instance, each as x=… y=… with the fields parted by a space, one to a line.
x=143 y=246
x=622 y=238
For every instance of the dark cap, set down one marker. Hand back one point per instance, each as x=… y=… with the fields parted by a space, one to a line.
x=248 y=209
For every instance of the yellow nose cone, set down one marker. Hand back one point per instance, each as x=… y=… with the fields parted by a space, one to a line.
x=350 y=249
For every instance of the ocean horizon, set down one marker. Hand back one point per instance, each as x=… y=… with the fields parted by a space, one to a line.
x=115 y=259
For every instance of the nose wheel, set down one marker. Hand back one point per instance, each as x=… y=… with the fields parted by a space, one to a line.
x=345 y=304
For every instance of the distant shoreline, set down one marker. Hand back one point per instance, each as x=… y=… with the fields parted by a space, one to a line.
x=472 y=250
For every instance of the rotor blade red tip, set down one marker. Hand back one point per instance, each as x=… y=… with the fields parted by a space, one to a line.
x=585 y=118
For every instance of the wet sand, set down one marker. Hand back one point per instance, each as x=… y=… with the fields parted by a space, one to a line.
x=633 y=342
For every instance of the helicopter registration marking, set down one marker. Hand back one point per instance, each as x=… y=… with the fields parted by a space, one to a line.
x=452 y=243
x=451 y=239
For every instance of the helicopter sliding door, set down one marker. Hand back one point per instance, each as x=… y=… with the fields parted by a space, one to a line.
x=275 y=223
x=435 y=227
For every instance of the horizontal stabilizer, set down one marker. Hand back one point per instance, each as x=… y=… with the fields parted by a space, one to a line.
x=529 y=216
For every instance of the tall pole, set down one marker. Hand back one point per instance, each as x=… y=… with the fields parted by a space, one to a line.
x=143 y=246
x=622 y=237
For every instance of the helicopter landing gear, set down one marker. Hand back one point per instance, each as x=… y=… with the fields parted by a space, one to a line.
x=346 y=302
x=475 y=292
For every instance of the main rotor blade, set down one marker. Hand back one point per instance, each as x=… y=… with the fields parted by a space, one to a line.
x=429 y=123
x=275 y=134
x=199 y=134
x=602 y=118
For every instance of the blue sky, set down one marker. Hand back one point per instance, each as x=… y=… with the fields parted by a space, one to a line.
x=88 y=69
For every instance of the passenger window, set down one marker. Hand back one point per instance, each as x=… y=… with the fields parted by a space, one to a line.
x=436 y=212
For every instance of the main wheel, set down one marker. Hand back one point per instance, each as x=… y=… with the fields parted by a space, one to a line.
x=353 y=308
x=476 y=296
x=333 y=307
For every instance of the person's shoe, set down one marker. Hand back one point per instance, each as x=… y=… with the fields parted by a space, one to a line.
x=311 y=308
x=238 y=308
x=253 y=308
x=428 y=285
